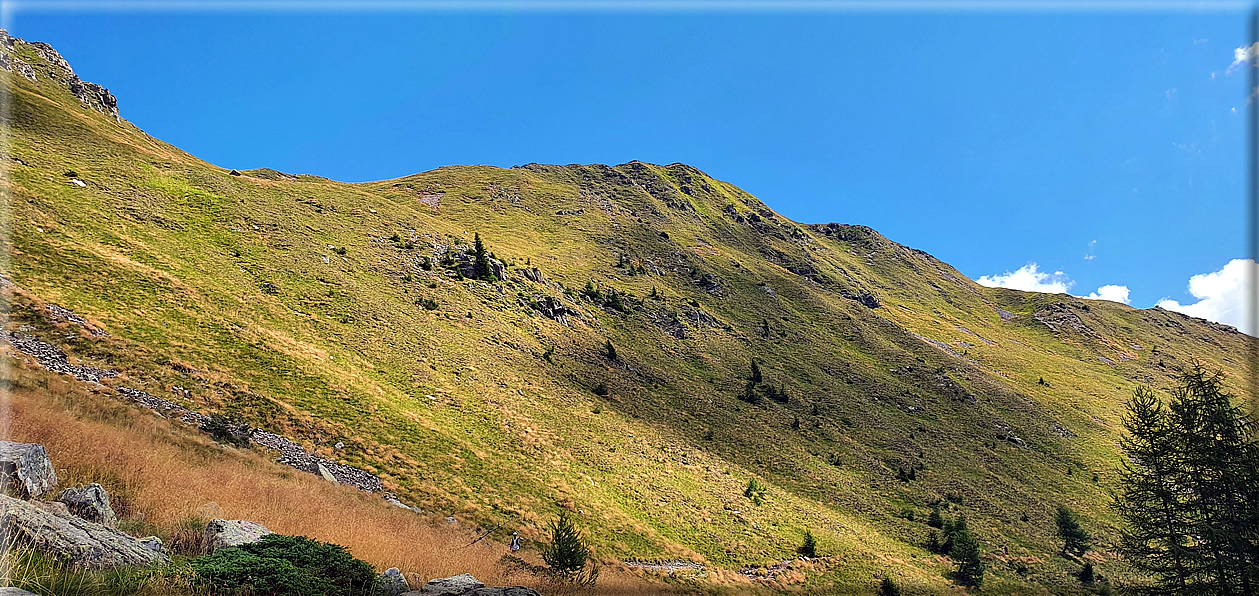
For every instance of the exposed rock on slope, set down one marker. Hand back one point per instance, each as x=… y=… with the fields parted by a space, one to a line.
x=91 y=503
x=55 y=68
x=82 y=542
x=26 y=468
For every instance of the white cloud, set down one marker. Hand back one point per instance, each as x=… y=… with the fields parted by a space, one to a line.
x=1243 y=55
x=1223 y=296
x=1200 y=41
x=1090 y=256
x=1112 y=293
x=1029 y=278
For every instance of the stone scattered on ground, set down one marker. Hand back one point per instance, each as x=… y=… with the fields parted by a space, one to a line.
x=291 y=453
x=221 y=533
x=392 y=499
x=82 y=542
x=27 y=471
x=52 y=358
x=393 y=582
x=91 y=503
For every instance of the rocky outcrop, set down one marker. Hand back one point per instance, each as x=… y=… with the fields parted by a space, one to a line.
x=1060 y=316
x=533 y=275
x=222 y=533
x=26 y=470
x=56 y=69
x=551 y=308
x=77 y=540
x=91 y=503
x=499 y=269
x=865 y=299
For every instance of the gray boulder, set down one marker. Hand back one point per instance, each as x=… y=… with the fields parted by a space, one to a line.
x=154 y=544
x=82 y=542
x=11 y=591
x=91 y=503
x=27 y=471
x=393 y=582
x=511 y=591
x=451 y=586
x=221 y=533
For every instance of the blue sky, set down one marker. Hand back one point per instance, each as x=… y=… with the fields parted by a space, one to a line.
x=1108 y=147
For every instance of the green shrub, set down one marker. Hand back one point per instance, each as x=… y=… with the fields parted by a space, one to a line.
x=889 y=588
x=756 y=492
x=286 y=565
x=809 y=547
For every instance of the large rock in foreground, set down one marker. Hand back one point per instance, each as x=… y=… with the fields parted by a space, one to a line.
x=80 y=541
x=91 y=503
x=466 y=585
x=222 y=533
x=27 y=471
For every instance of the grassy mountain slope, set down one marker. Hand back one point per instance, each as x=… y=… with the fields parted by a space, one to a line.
x=303 y=304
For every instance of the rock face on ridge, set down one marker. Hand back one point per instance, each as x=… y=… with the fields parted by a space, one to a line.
x=82 y=542
x=56 y=69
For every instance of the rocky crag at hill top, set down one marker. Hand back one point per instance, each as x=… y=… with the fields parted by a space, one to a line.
x=635 y=344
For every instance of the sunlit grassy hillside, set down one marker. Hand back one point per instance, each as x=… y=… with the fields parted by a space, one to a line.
x=324 y=311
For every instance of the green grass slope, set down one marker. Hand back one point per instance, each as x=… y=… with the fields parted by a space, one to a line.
x=323 y=310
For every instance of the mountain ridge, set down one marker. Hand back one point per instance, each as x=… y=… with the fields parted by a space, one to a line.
x=304 y=304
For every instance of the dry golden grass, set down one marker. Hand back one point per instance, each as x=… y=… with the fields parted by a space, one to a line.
x=166 y=479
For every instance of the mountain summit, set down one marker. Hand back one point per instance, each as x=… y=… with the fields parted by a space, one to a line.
x=642 y=345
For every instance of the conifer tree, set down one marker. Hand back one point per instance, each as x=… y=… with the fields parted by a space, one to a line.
x=1221 y=481
x=809 y=547
x=1074 y=539
x=480 y=260
x=1190 y=491
x=934 y=520
x=1155 y=538
x=965 y=551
